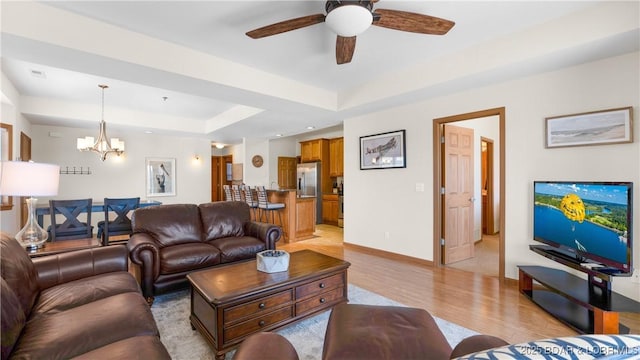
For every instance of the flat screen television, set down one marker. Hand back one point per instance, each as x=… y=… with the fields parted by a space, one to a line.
x=590 y=221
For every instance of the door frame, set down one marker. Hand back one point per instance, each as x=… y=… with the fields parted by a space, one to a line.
x=490 y=173
x=437 y=181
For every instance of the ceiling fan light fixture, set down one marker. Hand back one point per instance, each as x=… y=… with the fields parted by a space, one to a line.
x=349 y=20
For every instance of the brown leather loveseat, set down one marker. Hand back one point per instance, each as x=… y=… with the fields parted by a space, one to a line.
x=82 y=305
x=170 y=241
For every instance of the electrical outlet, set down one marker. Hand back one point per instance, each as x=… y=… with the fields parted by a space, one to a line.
x=636 y=276
x=386 y=235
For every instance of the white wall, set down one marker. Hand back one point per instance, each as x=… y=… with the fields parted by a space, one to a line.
x=9 y=219
x=386 y=200
x=256 y=176
x=123 y=176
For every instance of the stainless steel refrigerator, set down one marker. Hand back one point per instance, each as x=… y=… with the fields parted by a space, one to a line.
x=309 y=185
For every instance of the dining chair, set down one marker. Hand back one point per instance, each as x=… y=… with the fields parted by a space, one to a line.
x=249 y=199
x=121 y=225
x=265 y=207
x=71 y=227
x=227 y=193
x=236 y=193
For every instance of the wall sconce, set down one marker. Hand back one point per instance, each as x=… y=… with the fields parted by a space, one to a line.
x=196 y=160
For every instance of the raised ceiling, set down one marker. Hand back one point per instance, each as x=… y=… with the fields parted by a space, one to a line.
x=221 y=84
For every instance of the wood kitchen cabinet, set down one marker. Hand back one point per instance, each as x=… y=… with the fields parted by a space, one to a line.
x=330 y=209
x=314 y=150
x=287 y=167
x=318 y=150
x=336 y=157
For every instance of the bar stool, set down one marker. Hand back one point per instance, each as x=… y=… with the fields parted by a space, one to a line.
x=248 y=198
x=264 y=206
x=236 y=193
x=227 y=193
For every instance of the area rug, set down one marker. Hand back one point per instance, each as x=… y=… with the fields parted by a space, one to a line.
x=171 y=312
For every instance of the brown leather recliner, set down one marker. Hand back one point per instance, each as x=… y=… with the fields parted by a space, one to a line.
x=82 y=304
x=170 y=241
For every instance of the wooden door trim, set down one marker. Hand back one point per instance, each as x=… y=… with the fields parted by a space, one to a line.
x=437 y=181
x=8 y=204
x=490 y=190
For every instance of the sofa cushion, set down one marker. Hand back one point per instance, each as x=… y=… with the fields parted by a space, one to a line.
x=12 y=318
x=19 y=273
x=192 y=256
x=238 y=248
x=224 y=219
x=85 y=328
x=83 y=291
x=138 y=347
x=170 y=224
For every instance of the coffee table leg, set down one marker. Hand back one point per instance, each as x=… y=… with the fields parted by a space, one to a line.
x=220 y=356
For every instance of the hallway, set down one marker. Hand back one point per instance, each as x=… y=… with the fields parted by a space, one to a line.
x=485 y=260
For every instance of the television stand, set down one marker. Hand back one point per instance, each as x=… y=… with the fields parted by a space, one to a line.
x=582 y=305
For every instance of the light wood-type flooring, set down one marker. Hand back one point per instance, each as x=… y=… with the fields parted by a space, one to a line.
x=478 y=302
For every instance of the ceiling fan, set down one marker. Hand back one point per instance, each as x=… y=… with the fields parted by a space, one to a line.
x=350 y=18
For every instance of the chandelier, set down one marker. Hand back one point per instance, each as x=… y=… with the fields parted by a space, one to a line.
x=101 y=146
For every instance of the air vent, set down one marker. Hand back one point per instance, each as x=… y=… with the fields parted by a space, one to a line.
x=38 y=73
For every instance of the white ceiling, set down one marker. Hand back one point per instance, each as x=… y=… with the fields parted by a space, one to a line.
x=229 y=86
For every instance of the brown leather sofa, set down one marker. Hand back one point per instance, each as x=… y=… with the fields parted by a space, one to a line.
x=170 y=241
x=82 y=305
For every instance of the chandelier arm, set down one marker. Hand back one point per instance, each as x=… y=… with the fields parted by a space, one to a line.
x=102 y=146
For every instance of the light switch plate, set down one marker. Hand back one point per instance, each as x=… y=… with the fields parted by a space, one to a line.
x=420 y=187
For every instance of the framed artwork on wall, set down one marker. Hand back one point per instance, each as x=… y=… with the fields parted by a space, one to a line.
x=383 y=151
x=161 y=176
x=611 y=126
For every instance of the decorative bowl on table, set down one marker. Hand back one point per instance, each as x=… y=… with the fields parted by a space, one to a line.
x=271 y=261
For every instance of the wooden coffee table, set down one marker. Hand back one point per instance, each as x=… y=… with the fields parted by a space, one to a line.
x=228 y=303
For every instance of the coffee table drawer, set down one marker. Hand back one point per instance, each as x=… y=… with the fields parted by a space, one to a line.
x=319 y=301
x=262 y=305
x=319 y=286
x=257 y=324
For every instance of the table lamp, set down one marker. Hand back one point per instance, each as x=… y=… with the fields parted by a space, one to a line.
x=21 y=178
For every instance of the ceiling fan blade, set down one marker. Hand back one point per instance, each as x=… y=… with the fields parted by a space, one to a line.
x=345 y=46
x=286 y=25
x=412 y=22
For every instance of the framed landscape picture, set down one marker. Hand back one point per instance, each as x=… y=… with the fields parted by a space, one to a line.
x=161 y=176
x=383 y=151
x=611 y=126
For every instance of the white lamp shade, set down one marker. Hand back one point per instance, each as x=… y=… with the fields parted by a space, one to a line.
x=85 y=142
x=117 y=144
x=349 y=20
x=21 y=178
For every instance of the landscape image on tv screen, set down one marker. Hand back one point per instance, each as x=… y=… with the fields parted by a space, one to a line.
x=591 y=218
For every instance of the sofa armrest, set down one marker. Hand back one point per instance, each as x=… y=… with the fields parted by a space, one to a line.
x=476 y=343
x=62 y=268
x=145 y=253
x=269 y=233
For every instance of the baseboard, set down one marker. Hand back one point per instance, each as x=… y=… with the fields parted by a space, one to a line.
x=388 y=255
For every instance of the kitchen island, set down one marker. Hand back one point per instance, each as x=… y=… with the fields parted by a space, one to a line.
x=298 y=215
